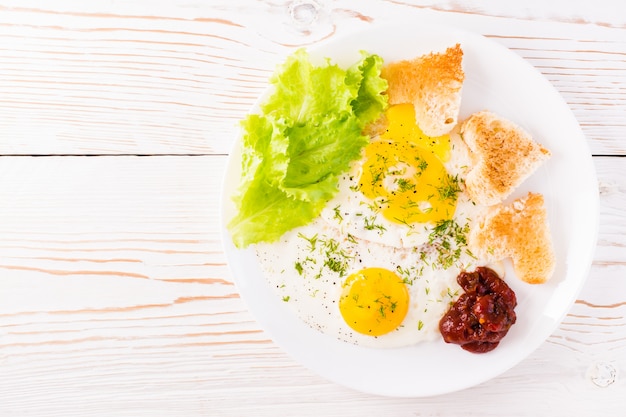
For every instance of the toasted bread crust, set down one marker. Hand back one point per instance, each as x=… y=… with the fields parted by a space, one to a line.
x=519 y=231
x=506 y=155
x=432 y=83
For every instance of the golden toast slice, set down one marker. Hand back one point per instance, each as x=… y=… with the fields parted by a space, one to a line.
x=519 y=231
x=433 y=84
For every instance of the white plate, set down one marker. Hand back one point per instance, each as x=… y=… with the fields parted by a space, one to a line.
x=498 y=80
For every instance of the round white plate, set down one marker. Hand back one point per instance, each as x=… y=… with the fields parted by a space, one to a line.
x=498 y=80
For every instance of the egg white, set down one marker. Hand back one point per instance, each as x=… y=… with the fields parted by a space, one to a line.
x=308 y=265
x=353 y=213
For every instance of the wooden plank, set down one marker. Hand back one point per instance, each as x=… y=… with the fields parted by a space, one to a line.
x=175 y=78
x=115 y=300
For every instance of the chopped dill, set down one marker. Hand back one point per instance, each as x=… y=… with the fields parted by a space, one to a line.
x=403 y=221
x=336 y=258
x=405 y=185
x=335 y=265
x=312 y=241
x=371 y=225
x=452 y=294
x=422 y=165
x=447 y=240
x=338 y=214
x=381 y=310
x=449 y=189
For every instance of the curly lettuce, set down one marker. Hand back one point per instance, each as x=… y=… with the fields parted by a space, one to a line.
x=308 y=133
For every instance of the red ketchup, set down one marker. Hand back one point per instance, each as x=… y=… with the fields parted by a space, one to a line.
x=483 y=315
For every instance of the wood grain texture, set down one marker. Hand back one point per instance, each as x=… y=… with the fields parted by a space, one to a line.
x=104 y=78
x=115 y=296
x=117 y=301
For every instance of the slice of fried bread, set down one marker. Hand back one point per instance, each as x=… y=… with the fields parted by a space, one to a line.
x=519 y=231
x=432 y=83
x=505 y=153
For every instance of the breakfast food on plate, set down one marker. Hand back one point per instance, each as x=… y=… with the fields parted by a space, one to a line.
x=519 y=231
x=403 y=185
x=308 y=133
x=506 y=155
x=371 y=216
x=433 y=84
x=378 y=267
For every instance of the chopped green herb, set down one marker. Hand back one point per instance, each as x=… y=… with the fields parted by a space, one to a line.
x=336 y=259
x=422 y=165
x=405 y=185
x=338 y=214
x=335 y=265
x=449 y=188
x=371 y=225
x=447 y=240
x=377 y=175
x=312 y=241
x=403 y=221
x=451 y=294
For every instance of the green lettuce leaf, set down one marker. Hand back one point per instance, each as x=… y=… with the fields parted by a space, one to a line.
x=317 y=156
x=304 y=92
x=266 y=213
x=369 y=103
x=307 y=135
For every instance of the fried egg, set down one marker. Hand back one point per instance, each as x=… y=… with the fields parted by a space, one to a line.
x=404 y=183
x=379 y=266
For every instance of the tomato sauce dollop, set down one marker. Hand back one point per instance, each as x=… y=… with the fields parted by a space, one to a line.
x=482 y=315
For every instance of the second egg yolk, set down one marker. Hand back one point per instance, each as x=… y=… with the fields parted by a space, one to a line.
x=374 y=301
x=404 y=175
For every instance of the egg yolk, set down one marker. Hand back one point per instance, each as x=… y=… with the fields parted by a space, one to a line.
x=374 y=301
x=404 y=174
x=401 y=126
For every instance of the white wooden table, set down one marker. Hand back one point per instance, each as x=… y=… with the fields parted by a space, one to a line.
x=116 y=118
